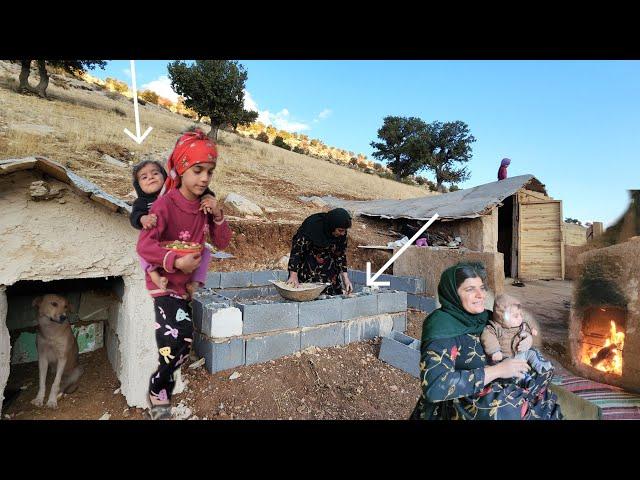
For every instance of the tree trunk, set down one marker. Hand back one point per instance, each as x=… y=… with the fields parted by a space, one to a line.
x=24 y=76
x=213 y=133
x=439 y=185
x=44 y=79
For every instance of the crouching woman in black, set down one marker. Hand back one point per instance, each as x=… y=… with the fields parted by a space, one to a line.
x=319 y=251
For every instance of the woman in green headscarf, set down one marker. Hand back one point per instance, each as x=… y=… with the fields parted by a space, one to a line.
x=319 y=251
x=456 y=381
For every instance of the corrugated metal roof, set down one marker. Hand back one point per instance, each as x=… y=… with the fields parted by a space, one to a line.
x=80 y=185
x=468 y=203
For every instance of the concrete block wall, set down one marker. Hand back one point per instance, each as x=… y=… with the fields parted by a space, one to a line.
x=421 y=302
x=407 y=284
x=267 y=329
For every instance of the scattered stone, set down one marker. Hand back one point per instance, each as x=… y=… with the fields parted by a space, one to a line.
x=112 y=161
x=393 y=388
x=197 y=364
x=239 y=206
x=270 y=210
x=125 y=413
x=106 y=416
x=62 y=201
x=116 y=391
x=283 y=263
x=298 y=354
x=180 y=412
x=25 y=386
x=234 y=375
x=41 y=190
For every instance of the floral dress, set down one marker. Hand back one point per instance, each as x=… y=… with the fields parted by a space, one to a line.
x=452 y=374
x=319 y=264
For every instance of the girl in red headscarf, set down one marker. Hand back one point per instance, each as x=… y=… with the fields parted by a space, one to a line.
x=179 y=217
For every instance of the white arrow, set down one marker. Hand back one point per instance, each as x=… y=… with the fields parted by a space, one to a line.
x=371 y=281
x=136 y=138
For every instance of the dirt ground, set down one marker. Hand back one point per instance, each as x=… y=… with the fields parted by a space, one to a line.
x=338 y=383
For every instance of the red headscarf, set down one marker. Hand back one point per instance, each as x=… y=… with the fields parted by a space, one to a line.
x=191 y=148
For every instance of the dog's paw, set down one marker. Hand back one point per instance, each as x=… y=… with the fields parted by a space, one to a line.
x=37 y=401
x=52 y=403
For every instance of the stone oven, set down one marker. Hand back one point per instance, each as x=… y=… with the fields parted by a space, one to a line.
x=604 y=336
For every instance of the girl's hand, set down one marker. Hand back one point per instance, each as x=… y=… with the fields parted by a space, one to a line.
x=512 y=367
x=496 y=357
x=209 y=204
x=525 y=344
x=148 y=221
x=189 y=262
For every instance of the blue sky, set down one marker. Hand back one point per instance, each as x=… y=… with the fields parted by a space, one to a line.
x=575 y=125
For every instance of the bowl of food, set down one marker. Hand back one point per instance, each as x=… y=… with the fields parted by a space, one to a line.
x=305 y=292
x=182 y=248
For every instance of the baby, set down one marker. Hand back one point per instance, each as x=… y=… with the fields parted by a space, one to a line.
x=504 y=332
x=148 y=179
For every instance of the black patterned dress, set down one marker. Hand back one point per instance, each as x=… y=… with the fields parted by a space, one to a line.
x=319 y=264
x=452 y=374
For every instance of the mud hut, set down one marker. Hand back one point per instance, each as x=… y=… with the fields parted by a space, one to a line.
x=62 y=234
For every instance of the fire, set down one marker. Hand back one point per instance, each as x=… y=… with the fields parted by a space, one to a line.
x=608 y=358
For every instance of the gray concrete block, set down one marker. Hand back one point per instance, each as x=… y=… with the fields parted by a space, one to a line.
x=357 y=276
x=322 y=336
x=368 y=328
x=404 y=283
x=421 y=302
x=361 y=305
x=320 y=311
x=266 y=317
x=389 y=302
x=203 y=307
x=235 y=279
x=269 y=347
x=247 y=292
x=282 y=275
x=262 y=277
x=213 y=280
x=219 y=355
x=399 y=321
x=401 y=351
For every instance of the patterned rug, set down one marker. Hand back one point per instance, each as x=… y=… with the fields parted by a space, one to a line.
x=616 y=403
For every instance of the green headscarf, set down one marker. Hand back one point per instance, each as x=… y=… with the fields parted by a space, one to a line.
x=451 y=319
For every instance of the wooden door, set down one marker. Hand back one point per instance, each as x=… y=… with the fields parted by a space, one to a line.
x=540 y=242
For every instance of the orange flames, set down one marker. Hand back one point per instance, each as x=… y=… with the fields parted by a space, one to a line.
x=609 y=357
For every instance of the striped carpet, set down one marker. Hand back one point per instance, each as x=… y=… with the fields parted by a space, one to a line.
x=616 y=403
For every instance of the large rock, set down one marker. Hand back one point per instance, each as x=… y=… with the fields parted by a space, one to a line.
x=237 y=205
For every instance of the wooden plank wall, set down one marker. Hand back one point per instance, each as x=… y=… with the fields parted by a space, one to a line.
x=540 y=252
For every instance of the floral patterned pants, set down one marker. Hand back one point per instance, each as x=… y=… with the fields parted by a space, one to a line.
x=174 y=334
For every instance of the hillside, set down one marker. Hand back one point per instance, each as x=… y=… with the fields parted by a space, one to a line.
x=80 y=123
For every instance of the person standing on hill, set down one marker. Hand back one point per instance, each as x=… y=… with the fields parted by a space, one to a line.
x=502 y=171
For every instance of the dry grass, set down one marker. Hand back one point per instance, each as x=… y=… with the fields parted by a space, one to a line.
x=264 y=173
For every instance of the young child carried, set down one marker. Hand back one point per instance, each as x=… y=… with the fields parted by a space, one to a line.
x=148 y=178
x=179 y=216
x=508 y=335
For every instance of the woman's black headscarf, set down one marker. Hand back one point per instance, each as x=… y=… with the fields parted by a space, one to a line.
x=319 y=227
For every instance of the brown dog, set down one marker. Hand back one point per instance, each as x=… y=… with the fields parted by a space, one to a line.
x=56 y=345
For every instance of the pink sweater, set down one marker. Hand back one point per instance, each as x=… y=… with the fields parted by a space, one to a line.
x=178 y=219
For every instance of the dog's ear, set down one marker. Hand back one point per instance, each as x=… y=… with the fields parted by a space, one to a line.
x=70 y=307
x=36 y=302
